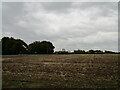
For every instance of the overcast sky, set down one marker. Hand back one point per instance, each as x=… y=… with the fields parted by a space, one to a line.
x=67 y=25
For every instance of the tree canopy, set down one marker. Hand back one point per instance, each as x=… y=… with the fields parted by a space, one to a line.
x=13 y=46
x=17 y=46
x=43 y=47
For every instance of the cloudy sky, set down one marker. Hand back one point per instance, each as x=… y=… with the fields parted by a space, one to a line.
x=78 y=25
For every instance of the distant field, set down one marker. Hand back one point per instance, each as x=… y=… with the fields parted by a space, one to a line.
x=60 y=71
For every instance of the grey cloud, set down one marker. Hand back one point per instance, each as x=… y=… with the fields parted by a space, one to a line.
x=102 y=5
x=59 y=7
x=10 y=11
x=104 y=9
x=67 y=25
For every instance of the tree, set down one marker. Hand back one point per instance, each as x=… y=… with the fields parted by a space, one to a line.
x=79 y=51
x=91 y=51
x=95 y=51
x=62 y=52
x=13 y=46
x=44 y=47
x=98 y=51
x=109 y=52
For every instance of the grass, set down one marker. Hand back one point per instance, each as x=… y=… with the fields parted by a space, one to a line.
x=60 y=71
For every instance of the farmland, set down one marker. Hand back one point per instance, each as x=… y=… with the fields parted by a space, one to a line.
x=60 y=71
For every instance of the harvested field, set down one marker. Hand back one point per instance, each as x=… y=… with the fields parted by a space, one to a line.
x=60 y=71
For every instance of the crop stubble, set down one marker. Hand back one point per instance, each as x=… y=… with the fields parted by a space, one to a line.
x=60 y=71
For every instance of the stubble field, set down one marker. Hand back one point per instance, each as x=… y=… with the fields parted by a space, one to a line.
x=60 y=71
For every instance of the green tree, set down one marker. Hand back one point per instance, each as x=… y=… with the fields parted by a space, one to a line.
x=62 y=52
x=91 y=51
x=13 y=46
x=44 y=47
x=79 y=51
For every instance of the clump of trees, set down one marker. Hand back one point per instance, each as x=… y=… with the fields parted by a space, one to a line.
x=62 y=52
x=17 y=46
x=93 y=52
x=13 y=46
x=43 y=47
x=110 y=52
x=79 y=51
x=86 y=52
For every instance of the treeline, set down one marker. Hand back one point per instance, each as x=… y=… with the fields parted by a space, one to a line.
x=11 y=46
x=86 y=52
